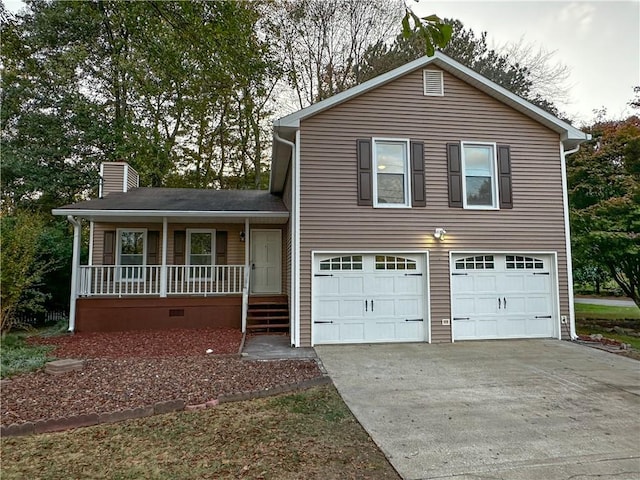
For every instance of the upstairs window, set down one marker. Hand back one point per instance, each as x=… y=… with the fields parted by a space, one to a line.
x=479 y=171
x=391 y=179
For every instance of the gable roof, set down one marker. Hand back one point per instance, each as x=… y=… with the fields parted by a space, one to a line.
x=180 y=203
x=286 y=126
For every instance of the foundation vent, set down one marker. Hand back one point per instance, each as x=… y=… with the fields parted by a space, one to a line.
x=176 y=312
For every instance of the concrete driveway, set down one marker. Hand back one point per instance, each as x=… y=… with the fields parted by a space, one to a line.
x=524 y=409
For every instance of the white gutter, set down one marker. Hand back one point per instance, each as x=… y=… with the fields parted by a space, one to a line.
x=75 y=263
x=295 y=242
x=166 y=213
x=567 y=235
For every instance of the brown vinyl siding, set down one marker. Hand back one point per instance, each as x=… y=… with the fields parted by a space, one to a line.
x=332 y=220
x=112 y=177
x=132 y=178
x=235 y=248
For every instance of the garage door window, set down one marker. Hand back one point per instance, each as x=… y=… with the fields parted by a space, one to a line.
x=385 y=262
x=478 y=262
x=352 y=262
x=523 y=263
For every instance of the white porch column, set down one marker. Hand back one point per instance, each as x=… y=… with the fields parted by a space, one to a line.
x=163 y=268
x=247 y=252
x=247 y=276
x=75 y=264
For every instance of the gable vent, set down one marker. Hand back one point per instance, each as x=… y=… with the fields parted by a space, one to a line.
x=433 y=83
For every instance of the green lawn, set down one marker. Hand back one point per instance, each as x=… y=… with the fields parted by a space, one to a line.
x=587 y=310
x=600 y=319
x=310 y=435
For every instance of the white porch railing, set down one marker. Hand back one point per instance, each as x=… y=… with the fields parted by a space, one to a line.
x=112 y=280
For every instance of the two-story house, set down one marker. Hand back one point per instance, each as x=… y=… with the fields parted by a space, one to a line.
x=426 y=205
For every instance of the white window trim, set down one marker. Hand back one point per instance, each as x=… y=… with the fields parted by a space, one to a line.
x=494 y=177
x=119 y=232
x=407 y=165
x=213 y=250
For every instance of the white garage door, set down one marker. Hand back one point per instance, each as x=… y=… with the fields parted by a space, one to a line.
x=502 y=296
x=368 y=298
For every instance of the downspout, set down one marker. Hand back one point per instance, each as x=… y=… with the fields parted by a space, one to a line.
x=567 y=234
x=75 y=262
x=295 y=246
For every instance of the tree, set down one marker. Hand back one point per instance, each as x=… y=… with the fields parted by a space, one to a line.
x=521 y=70
x=604 y=196
x=24 y=265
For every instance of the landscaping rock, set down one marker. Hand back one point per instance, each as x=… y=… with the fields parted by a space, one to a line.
x=58 y=367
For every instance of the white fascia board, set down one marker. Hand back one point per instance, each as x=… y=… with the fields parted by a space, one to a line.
x=568 y=132
x=167 y=213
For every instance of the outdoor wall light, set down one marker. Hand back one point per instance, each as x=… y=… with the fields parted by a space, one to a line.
x=439 y=234
x=242 y=236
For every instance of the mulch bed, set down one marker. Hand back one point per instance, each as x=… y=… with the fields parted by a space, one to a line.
x=128 y=370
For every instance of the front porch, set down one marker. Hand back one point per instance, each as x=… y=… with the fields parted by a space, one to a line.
x=191 y=268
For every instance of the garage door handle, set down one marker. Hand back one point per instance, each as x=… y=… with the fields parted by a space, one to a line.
x=372 y=305
x=461 y=318
x=499 y=303
x=328 y=321
x=366 y=305
x=504 y=303
x=414 y=320
x=543 y=316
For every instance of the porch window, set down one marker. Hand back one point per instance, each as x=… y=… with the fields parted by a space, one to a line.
x=132 y=252
x=200 y=252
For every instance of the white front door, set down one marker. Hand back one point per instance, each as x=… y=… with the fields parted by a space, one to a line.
x=266 y=261
x=367 y=298
x=502 y=296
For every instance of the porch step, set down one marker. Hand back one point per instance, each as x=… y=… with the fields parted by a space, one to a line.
x=268 y=314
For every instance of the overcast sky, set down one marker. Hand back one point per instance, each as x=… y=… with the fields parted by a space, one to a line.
x=598 y=40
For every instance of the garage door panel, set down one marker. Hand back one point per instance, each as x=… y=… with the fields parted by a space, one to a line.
x=538 y=283
x=412 y=285
x=328 y=286
x=510 y=283
x=352 y=286
x=408 y=307
x=408 y=331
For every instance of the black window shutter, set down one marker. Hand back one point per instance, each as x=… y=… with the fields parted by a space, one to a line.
x=365 y=174
x=454 y=170
x=504 y=176
x=153 y=248
x=418 y=196
x=109 y=248
x=179 y=243
x=221 y=248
